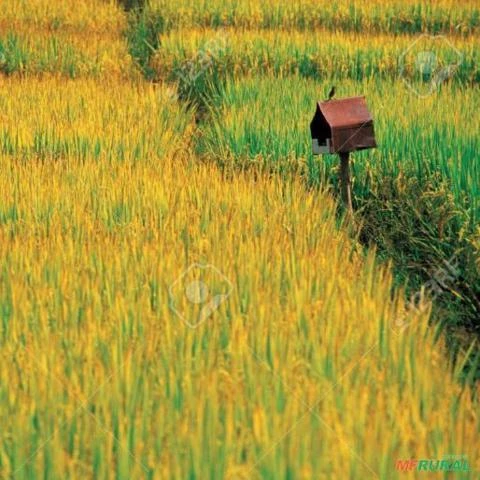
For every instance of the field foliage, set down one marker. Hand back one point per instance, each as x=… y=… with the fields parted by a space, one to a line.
x=116 y=191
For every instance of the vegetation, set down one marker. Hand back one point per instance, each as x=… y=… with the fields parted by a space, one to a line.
x=394 y=17
x=44 y=37
x=318 y=55
x=115 y=194
x=250 y=76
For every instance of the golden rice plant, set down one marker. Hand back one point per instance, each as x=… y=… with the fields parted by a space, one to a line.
x=107 y=120
x=163 y=318
x=394 y=16
x=101 y=375
x=77 y=39
x=87 y=16
x=66 y=54
x=320 y=54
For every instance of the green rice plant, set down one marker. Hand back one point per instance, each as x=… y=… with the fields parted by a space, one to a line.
x=143 y=37
x=269 y=117
x=320 y=54
x=417 y=192
x=13 y=56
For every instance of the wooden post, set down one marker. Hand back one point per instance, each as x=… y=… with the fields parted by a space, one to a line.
x=345 y=181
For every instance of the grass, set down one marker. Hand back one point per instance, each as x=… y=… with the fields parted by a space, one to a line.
x=50 y=38
x=268 y=118
x=318 y=55
x=412 y=16
x=79 y=121
x=110 y=191
x=417 y=194
x=143 y=37
x=64 y=54
x=88 y=16
x=253 y=82
x=89 y=250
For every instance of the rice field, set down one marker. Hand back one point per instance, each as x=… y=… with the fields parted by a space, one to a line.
x=106 y=120
x=394 y=16
x=443 y=136
x=318 y=54
x=179 y=296
x=425 y=168
x=50 y=38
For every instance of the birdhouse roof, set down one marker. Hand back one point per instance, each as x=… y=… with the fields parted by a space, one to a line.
x=346 y=112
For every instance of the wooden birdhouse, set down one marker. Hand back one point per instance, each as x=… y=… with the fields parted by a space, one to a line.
x=343 y=125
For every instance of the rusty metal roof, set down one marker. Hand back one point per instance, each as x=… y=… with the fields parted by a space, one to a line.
x=346 y=112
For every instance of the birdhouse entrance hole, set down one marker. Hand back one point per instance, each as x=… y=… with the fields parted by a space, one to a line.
x=321 y=134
